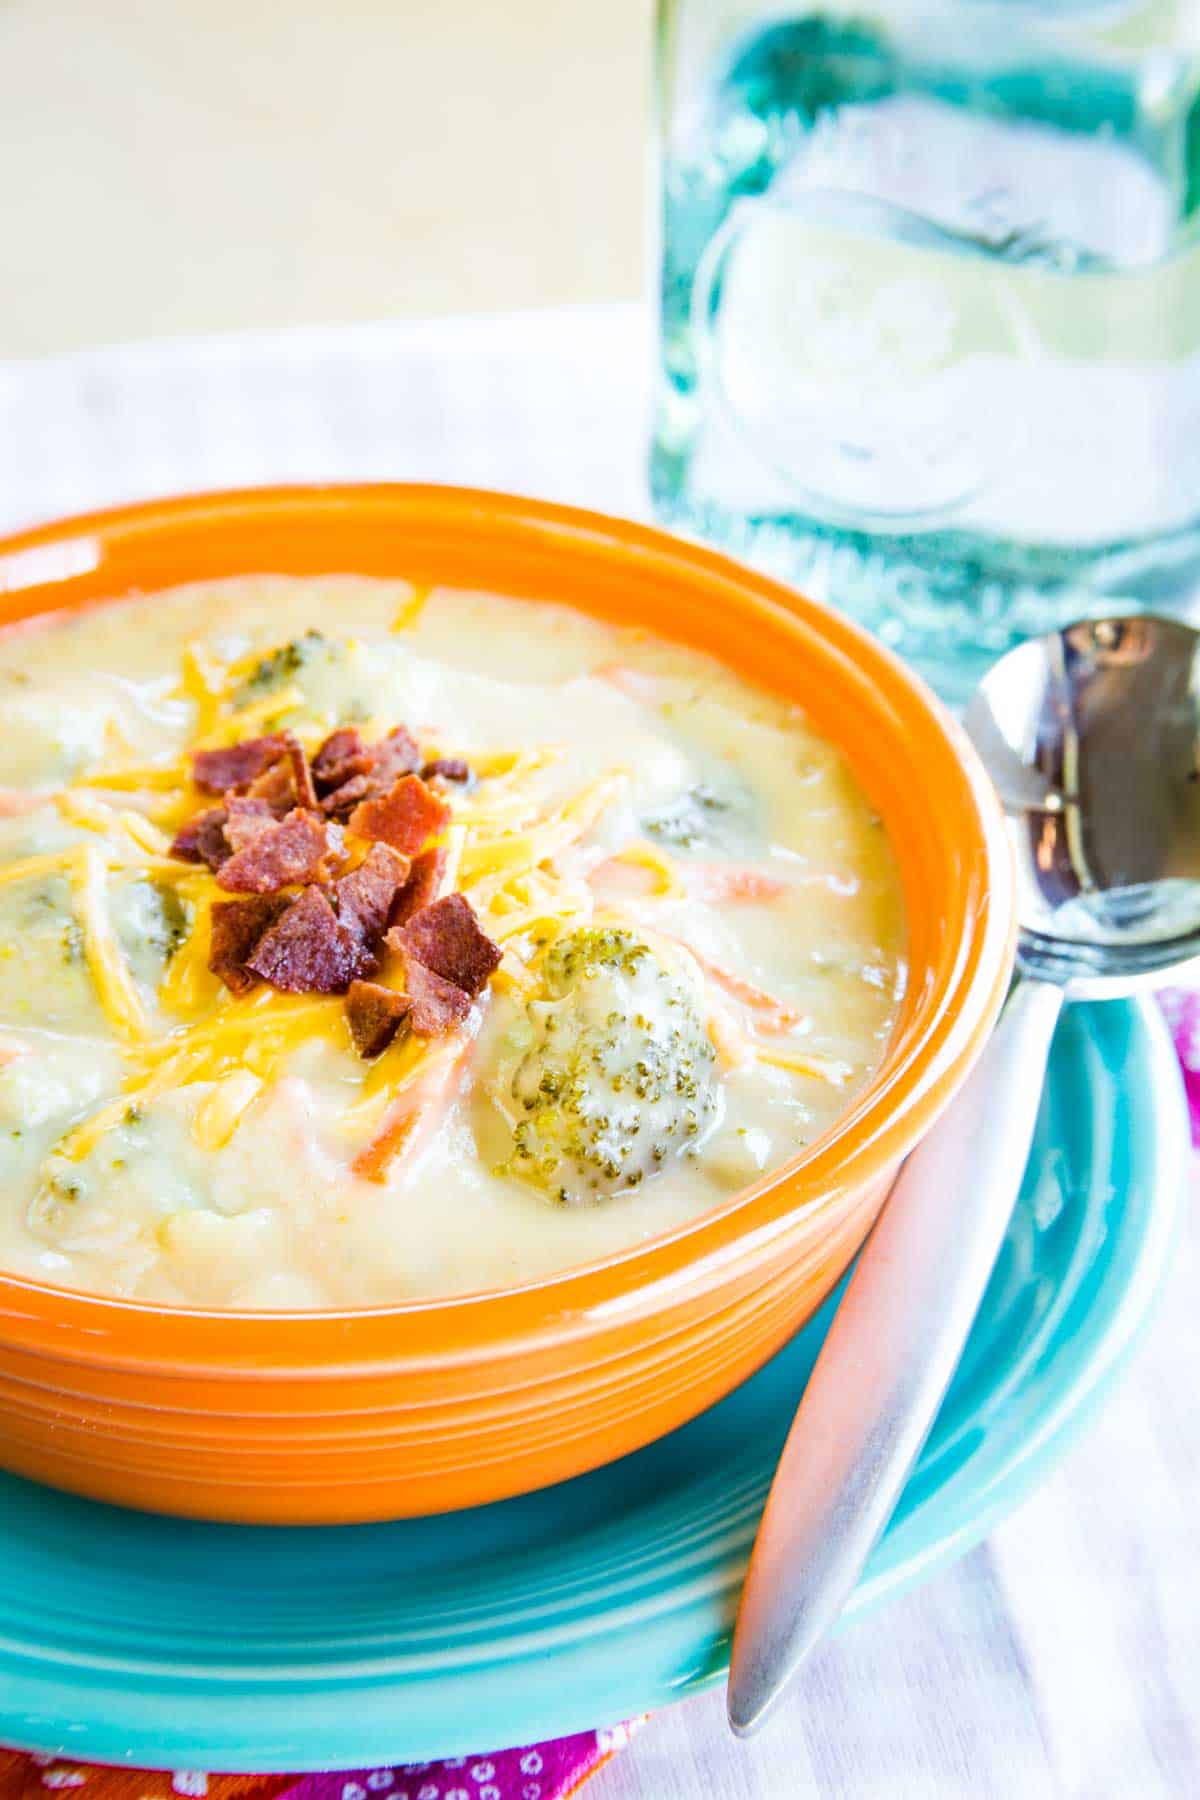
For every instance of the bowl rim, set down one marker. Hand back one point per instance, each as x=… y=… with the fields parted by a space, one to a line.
x=913 y=1083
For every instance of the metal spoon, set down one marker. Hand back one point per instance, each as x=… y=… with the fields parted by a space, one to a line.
x=1092 y=736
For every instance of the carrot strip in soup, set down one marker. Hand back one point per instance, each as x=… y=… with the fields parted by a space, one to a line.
x=415 y=1112
x=774 y=1014
x=16 y=802
x=720 y=883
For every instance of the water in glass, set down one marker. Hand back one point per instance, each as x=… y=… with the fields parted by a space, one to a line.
x=930 y=291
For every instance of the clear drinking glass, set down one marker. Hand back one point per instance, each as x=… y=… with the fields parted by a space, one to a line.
x=930 y=290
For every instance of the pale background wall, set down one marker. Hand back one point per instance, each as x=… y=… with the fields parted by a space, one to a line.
x=180 y=166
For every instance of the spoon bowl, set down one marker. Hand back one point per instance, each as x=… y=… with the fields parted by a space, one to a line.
x=1090 y=735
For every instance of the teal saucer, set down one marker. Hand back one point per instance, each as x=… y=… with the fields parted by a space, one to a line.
x=125 y=1637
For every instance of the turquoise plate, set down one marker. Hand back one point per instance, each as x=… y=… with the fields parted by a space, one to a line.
x=124 y=1636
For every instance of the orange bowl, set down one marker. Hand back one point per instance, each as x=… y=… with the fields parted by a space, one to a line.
x=331 y=1417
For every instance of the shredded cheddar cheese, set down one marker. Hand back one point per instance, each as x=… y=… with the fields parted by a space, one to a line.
x=114 y=984
x=455 y=844
x=232 y=726
x=804 y=1062
x=500 y=850
x=220 y=1112
x=34 y=868
x=506 y=853
x=641 y=854
x=412 y=609
x=135 y=776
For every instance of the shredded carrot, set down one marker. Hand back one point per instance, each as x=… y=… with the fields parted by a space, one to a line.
x=727 y=1039
x=723 y=882
x=775 y=1015
x=415 y=1110
x=14 y=802
x=637 y=876
x=641 y=869
x=623 y=880
x=635 y=684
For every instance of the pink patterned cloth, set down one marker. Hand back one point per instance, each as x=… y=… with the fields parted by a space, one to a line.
x=1182 y=1009
x=537 y=1772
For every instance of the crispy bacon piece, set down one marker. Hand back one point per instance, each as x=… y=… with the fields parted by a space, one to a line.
x=374 y=1015
x=290 y=850
x=404 y=817
x=288 y=782
x=447 y=939
x=342 y=801
x=364 y=897
x=306 y=793
x=347 y=771
x=437 y=1006
x=342 y=756
x=269 y=835
x=422 y=885
x=237 y=926
x=449 y=768
x=276 y=787
x=447 y=959
x=237 y=765
x=396 y=754
x=202 y=839
x=246 y=818
x=309 y=951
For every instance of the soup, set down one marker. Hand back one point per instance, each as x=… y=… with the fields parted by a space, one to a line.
x=360 y=943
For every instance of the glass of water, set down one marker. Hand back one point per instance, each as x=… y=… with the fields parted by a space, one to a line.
x=930 y=297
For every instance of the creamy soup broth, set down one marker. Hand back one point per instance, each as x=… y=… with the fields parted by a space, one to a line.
x=698 y=912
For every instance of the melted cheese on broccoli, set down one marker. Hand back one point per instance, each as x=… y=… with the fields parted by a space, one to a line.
x=619 y=1074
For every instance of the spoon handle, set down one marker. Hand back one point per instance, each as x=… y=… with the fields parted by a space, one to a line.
x=888 y=1358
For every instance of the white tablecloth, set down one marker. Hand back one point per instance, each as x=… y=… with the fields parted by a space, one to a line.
x=1063 y=1656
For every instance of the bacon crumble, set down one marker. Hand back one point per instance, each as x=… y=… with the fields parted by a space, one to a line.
x=290 y=851
x=246 y=816
x=237 y=926
x=279 y=826
x=342 y=756
x=341 y=802
x=398 y=753
x=436 y=1005
x=202 y=839
x=235 y=766
x=421 y=888
x=404 y=816
x=449 y=768
x=448 y=939
x=287 y=781
x=364 y=898
x=374 y=1015
x=309 y=951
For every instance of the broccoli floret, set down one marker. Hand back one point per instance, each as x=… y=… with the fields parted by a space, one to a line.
x=51 y=902
x=170 y=922
x=152 y=921
x=620 y=1074
x=688 y=819
x=279 y=666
